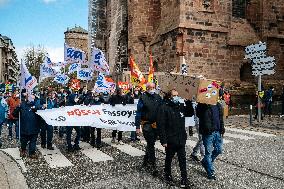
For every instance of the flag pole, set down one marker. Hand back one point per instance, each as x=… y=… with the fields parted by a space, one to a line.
x=20 y=101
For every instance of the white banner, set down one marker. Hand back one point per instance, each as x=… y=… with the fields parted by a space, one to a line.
x=116 y=117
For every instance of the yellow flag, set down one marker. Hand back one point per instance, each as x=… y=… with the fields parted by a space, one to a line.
x=137 y=77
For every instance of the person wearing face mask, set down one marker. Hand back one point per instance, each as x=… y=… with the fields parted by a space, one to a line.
x=117 y=98
x=3 y=114
x=13 y=102
x=46 y=132
x=72 y=100
x=85 y=99
x=146 y=115
x=135 y=96
x=29 y=126
x=96 y=141
x=172 y=133
x=211 y=127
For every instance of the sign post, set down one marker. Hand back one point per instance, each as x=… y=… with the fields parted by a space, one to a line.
x=261 y=65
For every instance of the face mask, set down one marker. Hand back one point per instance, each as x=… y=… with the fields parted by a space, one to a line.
x=97 y=98
x=18 y=95
x=176 y=99
x=136 y=92
x=152 y=91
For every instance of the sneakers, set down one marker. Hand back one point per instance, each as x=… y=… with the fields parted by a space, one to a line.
x=120 y=142
x=33 y=156
x=76 y=148
x=169 y=180
x=50 y=147
x=183 y=184
x=23 y=153
x=195 y=158
x=113 y=140
x=70 y=149
x=211 y=176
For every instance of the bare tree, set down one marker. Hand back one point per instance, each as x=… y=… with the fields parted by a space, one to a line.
x=34 y=57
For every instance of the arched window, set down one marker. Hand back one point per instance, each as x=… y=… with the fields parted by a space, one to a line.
x=246 y=72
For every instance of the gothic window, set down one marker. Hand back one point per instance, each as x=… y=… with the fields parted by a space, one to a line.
x=239 y=8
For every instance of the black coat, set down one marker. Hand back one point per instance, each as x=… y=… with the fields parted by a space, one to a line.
x=171 y=122
x=205 y=115
x=117 y=99
x=29 y=120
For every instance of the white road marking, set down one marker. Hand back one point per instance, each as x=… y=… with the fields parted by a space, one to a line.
x=250 y=132
x=15 y=154
x=93 y=153
x=126 y=148
x=54 y=158
x=243 y=137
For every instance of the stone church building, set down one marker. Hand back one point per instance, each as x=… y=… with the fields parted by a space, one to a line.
x=210 y=34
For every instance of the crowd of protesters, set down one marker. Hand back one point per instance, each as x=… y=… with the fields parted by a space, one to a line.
x=158 y=116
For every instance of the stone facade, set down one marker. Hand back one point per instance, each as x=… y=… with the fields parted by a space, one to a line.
x=210 y=34
x=77 y=37
x=9 y=64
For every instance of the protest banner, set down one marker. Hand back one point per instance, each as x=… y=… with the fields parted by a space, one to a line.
x=116 y=117
x=206 y=91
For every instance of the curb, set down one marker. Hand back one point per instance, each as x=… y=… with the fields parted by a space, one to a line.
x=10 y=174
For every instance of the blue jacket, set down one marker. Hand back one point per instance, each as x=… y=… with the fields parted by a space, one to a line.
x=29 y=122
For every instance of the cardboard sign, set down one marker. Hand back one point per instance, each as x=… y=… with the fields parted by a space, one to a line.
x=206 y=91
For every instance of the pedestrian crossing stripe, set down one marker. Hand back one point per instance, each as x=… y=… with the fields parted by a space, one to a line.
x=250 y=132
x=126 y=148
x=243 y=137
x=94 y=154
x=54 y=158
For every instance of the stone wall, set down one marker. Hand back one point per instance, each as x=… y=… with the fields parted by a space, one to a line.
x=77 y=40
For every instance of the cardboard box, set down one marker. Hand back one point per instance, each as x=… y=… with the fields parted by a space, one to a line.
x=206 y=91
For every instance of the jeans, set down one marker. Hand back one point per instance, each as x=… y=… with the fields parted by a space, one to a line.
x=46 y=134
x=268 y=108
x=133 y=135
x=69 y=133
x=199 y=147
x=11 y=122
x=170 y=153
x=31 y=139
x=213 y=147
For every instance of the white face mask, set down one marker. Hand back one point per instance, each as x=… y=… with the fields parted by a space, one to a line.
x=97 y=98
x=152 y=91
x=176 y=99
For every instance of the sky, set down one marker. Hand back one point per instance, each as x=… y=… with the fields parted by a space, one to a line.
x=41 y=22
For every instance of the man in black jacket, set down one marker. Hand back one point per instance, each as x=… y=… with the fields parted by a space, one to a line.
x=211 y=127
x=117 y=98
x=171 y=128
x=29 y=125
x=146 y=116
